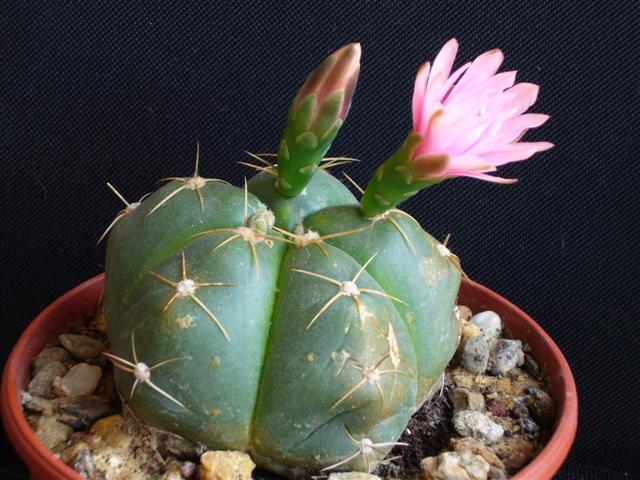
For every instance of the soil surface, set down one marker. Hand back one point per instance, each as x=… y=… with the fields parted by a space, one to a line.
x=488 y=417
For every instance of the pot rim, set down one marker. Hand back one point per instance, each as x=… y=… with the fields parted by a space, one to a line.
x=39 y=457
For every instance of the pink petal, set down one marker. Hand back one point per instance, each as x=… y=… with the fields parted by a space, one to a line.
x=520 y=97
x=480 y=91
x=468 y=163
x=433 y=96
x=490 y=178
x=435 y=127
x=515 y=127
x=484 y=66
x=448 y=86
x=513 y=152
x=444 y=60
x=418 y=94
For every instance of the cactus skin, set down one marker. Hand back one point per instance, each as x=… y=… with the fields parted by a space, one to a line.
x=287 y=394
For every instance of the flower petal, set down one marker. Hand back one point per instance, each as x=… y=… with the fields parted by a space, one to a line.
x=444 y=60
x=419 y=90
x=513 y=152
x=448 y=86
x=489 y=178
x=475 y=116
x=520 y=97
x=430 y=166
x=433 y=130
x=515 y=127
x=468 y=163
x=482 y=67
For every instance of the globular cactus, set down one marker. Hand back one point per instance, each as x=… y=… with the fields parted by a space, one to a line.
x=282 y=318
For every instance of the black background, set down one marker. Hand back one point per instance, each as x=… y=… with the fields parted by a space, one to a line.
x=120 y=92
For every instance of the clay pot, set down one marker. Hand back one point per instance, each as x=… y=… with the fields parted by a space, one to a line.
x=81 y=302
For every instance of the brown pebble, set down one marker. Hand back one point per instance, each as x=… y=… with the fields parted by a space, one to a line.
x=48 y=355
x=498 y=408
x=81 y=411
x=34 y=403
x=463 y=399
x=41 y=384
x=52 y=432
x=541 y=407
x=81 y=346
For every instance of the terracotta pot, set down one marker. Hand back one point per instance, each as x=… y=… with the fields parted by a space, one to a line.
x=81 y=302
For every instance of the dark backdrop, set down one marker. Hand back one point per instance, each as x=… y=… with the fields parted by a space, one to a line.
x=121 y=92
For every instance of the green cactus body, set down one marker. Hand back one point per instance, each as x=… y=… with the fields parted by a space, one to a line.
x=282 y=318
x=287 y=362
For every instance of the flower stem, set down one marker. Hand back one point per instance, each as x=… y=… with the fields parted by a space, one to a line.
x=394 y=181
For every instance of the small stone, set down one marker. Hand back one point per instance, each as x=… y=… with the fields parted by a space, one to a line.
x=515 y=453
x=531 y=366
x=528 y=425
x=469 y=423
x=503 y=385
x=520 y=410
x=52 y=432
x=498 y=408
x=507 y=355
x=41 y=385
x=352 y=476
x=36 y=404
x=455 y=466
x=463 y=399
x=462 y=378
x=469 y=330
x=187 y=469
x=541 y=407
x=46 y=356
x=475 y=355
x=81 y=461
x=476 y=447
x=81 y=346
x=489 y=323
x=463 y=313
x=225 y=465
x=82 y=379
x=80 y=412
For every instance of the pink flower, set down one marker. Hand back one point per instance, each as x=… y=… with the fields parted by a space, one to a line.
x=470 y=121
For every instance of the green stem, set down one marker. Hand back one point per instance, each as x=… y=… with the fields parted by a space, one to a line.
x=308 y=135
x=394 y=181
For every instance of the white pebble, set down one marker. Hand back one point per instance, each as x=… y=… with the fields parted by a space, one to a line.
x=489 y=323
x=470 y=423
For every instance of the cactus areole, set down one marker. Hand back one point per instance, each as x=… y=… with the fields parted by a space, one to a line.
x=282 y=317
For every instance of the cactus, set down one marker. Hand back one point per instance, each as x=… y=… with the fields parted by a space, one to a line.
x=280 y=318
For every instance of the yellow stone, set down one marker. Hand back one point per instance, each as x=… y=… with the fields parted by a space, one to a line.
x=225 y=465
